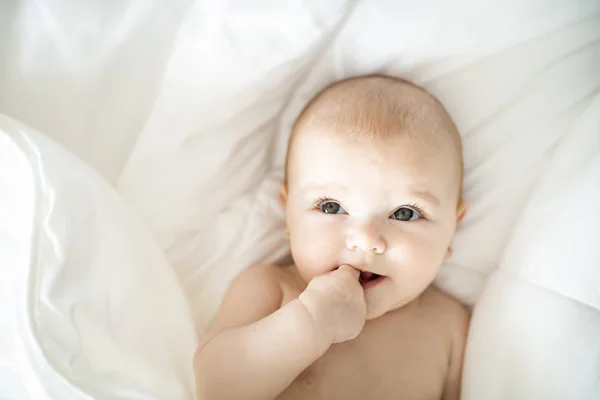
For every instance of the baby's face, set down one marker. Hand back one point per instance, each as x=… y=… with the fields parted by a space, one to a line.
x=386 y=207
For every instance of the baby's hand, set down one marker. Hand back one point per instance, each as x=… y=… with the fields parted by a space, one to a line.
x=336 y=302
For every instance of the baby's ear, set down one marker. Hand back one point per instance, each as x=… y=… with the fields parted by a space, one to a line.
x=283 y=192
x=461 y=210
x=448 y=253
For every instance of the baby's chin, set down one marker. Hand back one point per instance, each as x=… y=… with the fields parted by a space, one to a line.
x=375 y=311
x=376 y=314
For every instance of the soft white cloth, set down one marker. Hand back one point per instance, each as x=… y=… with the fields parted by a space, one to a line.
x=186 y=111
x=90 y=306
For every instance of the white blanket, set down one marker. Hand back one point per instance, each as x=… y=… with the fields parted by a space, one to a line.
x=185 y=110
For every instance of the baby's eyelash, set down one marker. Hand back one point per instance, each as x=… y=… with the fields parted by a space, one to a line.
x=323 y=199
x=417 y=208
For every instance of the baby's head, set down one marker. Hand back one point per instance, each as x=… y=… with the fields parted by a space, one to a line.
x=373 y=180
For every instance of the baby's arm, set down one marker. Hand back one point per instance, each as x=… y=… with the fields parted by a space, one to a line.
x=459 y=330
x=255 y=349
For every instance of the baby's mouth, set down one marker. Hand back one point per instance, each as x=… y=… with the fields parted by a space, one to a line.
x=366 y=276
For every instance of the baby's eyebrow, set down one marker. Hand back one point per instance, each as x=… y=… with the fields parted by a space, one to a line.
x=323 y=188
x=424 y=195
x=427 y=196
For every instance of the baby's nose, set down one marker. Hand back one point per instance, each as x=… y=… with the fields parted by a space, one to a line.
x=366 y=238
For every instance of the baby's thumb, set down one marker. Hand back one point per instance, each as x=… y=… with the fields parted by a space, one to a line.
x=347 y=269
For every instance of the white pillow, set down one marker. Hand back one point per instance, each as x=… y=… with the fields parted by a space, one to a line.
x=90 y=307
x=535 y=332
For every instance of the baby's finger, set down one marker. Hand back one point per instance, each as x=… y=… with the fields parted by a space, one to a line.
x=347 y=269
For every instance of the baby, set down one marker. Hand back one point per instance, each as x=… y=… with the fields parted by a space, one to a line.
x=372 y=198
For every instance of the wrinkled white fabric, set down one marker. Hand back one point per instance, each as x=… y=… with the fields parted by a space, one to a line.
x=91 y=308
x=186 y=110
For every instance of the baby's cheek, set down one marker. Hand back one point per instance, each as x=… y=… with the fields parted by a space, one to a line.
x=314 y=249
x=421 y=259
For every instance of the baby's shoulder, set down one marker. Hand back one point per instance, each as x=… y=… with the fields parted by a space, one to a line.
x=434 y=300
x=269 y=272
x=446 y=311
x=433 y=296
x=283 y=279
x=264 y=276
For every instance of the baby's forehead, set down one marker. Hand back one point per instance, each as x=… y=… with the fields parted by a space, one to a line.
x=380 y=155
x=375 y=170
x=379 y=109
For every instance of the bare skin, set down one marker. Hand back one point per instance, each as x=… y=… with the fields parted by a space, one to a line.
x=414 y=352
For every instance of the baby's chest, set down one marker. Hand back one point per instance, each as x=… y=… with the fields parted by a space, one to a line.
x=384 y=362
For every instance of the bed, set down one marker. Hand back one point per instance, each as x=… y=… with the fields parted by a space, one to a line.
x=141 y=147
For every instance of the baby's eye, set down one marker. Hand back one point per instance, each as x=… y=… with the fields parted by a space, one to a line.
x=405 y=214
x=331 y=207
